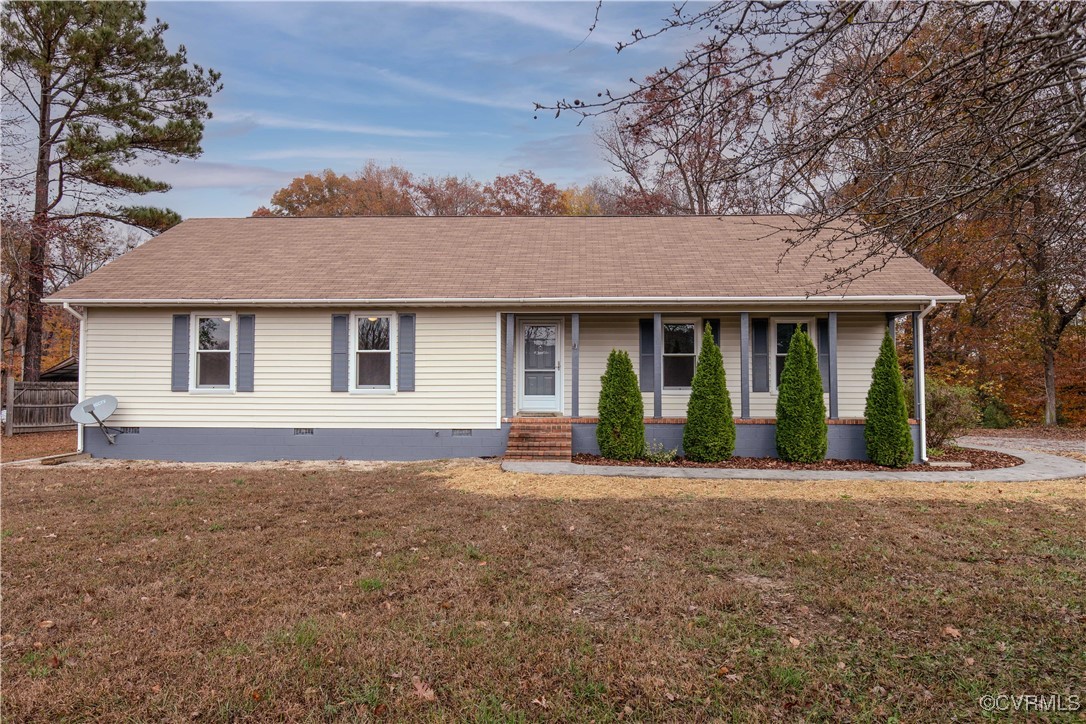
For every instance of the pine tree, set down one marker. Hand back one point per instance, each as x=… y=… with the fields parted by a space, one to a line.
x=620 y=431
x=886 y=429
x=101 y=91
x=709 y=435
x=801 y=412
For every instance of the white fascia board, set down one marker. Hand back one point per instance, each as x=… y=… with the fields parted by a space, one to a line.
x=911 y=299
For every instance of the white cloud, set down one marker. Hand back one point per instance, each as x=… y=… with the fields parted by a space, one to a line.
x=269 y=120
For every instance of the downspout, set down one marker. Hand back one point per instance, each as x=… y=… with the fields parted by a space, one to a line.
x=918 y=370
x=82 y=366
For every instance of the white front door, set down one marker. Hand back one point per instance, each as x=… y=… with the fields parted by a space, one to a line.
x=540 y=345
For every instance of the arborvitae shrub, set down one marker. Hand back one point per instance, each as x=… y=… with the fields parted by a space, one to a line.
x=801 y=412
x=709 y=435
x=886 y=428
x=620 y=432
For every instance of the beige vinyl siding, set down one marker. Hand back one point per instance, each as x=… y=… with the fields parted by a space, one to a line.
x=456 y=374
x=859 y=337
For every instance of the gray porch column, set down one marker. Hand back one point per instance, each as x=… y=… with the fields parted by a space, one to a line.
x=891 y=324
x=575 y=371
x=832 y=324
x=510 y=355
x=744 y=365
x=918 y=382
x=658 y=356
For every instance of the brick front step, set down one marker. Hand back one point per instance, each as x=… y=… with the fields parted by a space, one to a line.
x=540 y=439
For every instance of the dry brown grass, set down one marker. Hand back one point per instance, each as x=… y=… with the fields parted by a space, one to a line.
x=36 y=445
x=489 y=479
x=325 y=592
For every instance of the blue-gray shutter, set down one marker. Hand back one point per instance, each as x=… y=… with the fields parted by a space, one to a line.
x=405 y=351
x=759 y=332
x=714 y=324
x=647 y=373
x=179 y=377
x=824 y=352
x=246 y=348
x=340 y=338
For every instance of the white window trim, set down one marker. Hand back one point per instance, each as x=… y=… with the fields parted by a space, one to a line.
x=194 y=351
x=812 y=326
x=393 y=343
x=699 y=330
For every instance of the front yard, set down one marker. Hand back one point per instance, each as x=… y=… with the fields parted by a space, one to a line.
x=332 y=591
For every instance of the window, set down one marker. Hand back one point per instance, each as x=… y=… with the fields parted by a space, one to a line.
x=374 y=344
x=214 y=358
x=680 y=354
x=783 y=332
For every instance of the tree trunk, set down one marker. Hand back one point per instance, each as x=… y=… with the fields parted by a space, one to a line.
x=39 y=240
x=1050 y=383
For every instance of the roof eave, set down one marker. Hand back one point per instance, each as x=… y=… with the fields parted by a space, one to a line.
x=523 y=301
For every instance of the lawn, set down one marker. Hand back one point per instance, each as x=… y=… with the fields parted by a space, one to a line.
x=457 y=592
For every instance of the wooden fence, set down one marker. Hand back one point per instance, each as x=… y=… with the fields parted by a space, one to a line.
x=39 y=406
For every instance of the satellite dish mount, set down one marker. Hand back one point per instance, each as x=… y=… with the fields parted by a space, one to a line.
x=95 y=410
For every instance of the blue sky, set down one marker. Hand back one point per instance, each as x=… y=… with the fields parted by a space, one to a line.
x=439 y=88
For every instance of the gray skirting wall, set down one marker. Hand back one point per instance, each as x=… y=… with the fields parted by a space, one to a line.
x=846 y=442
x=239 y=444
x=234 y=444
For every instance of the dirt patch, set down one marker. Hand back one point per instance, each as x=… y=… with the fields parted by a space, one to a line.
x=978 y=460
x=37 y=444
x=398 y=593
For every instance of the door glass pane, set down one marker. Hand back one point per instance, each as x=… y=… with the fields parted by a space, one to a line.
x=212 y=369
x=540 y=346
x=539 y=383
x=678 y=339
x=374 y=369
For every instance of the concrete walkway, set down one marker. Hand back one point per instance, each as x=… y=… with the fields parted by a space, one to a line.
x=1037 y=466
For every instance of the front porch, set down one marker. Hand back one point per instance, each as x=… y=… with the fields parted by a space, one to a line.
x=553 y=362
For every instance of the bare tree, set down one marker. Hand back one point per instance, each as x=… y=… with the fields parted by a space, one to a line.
x=890 y=124
x=679 y=150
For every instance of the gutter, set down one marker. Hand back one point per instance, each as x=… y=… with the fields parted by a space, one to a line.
x=527 y=301
x=919 y=372
x=82 y=367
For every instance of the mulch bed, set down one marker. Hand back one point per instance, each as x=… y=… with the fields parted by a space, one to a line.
x=979 y=459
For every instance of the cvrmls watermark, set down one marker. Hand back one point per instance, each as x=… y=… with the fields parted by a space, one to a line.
x=1031 y=702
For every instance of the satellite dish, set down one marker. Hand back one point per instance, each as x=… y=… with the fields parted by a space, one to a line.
x=94 y=411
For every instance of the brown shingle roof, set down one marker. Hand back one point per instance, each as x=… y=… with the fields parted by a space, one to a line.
x=474 y=258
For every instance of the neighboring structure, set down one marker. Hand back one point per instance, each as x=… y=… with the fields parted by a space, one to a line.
x=64 y=371
x=410 y=338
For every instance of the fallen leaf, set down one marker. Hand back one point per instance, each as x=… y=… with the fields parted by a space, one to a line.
x=794 y=641
x=841 y=665
x=969 y=661
x=46 y=624
x=54 y=662
x=255 y=695
x=423 y=690
x=952 y=632
x=722 y=671
x=541 y=702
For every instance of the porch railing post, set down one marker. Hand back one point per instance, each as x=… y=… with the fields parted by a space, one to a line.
x=575 y=371
x=744 y=365
x=510 y=349
x=832 y=324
